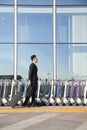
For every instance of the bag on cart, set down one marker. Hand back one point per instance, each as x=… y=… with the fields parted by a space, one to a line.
x=17 y=97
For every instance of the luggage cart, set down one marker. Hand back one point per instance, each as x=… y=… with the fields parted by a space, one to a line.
x=64 y=99
x=20 y=90
x=38 y=100
x=85 y=93
x=1 y=91
x=58 y=97
x=46 y=92
x=6 y=92
x=71 y=99
x=78 y=99
x=14 y=87
x=25 y=84
x=52 y=96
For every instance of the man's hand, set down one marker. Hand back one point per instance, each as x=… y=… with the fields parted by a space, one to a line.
x=29 y=82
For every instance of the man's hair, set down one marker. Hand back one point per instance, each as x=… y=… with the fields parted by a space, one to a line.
x=32 y=57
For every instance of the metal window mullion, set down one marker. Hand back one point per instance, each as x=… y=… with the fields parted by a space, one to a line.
x=15 y=39
x=54 y=41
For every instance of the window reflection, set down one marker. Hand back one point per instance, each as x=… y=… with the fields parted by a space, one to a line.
x=6 y=27
x=35 y=28
x=35 y=2
x=71 y=2
x=44 y=54
x=35 y=37
x=6 y=59
x=6 y=1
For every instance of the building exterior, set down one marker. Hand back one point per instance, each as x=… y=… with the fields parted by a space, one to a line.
x=35 y=36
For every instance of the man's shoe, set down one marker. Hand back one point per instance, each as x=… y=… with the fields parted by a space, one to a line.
x=29 y=105
x=33 y=105
x=23 y=105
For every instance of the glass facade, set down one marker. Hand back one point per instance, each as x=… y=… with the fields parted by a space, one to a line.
x=35 y=30
x=6 y=2
x=35 y=2
x=71 y=2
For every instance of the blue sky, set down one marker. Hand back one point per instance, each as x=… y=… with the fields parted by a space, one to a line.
x=36 y=28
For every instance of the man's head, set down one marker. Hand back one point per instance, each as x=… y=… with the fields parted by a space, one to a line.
x=34 y=58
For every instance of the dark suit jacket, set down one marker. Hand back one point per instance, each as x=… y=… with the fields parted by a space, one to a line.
x=32 y=76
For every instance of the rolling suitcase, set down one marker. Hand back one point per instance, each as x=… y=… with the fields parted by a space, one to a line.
x=18 y=96
x=15 y=99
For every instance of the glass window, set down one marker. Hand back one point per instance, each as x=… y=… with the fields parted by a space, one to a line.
x=35 y=2
x=63 y=32
x=79 y=29
x=6 y=1
x=6 y=41
x=71 y=2
x=44 y=54
x=71 y=46
x=71 y=61
x=63 y=71
x=6 y=27
x=78 y=60
x=72 y=28
x=35 y=28
x=6 y=59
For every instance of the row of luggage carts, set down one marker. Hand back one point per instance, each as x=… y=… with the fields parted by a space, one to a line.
x=60 y=92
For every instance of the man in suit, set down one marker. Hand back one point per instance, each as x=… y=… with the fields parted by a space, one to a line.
x=32 y=81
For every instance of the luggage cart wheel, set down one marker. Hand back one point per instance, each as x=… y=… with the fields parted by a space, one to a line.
x=47 y=103
x=5 y=102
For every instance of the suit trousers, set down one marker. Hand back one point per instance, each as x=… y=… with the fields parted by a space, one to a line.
x=31 y=91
